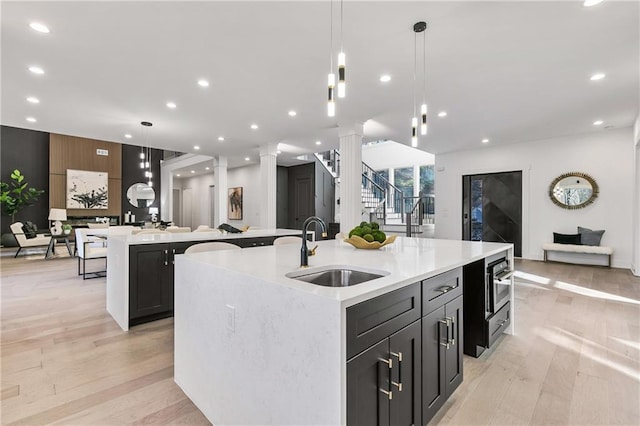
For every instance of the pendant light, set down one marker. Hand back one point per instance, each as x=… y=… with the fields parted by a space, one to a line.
x=331 y=79
x=146 y=163
x=423 y=107
x=341 y=60
x=418 y=27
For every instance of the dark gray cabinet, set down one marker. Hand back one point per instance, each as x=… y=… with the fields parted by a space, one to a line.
x=150 y=282
x=383 y=373
x=441 y=355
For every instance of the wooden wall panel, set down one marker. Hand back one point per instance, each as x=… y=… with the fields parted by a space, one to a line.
x=70 y=152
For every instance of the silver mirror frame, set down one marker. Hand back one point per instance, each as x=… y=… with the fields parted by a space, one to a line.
x=594 y=192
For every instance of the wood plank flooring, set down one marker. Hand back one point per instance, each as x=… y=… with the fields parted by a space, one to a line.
x=574 y=361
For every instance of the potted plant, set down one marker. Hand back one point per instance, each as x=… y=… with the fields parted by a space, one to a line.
x=66 y=229
x=16 y=195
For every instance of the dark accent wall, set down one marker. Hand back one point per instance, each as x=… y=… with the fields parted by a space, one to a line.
x=325 y=193
x=132 y=173
x=27 y=151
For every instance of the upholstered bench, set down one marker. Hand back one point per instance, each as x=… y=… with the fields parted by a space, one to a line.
x=580 y=254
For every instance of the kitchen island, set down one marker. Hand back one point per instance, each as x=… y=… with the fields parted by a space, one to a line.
x=140 y=269
x=254 y=347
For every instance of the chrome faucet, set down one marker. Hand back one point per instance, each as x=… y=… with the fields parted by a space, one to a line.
x=304 y=251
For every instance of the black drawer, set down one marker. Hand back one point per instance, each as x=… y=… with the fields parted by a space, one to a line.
x=373 y=320
x=441 y=289
x=252 y=242
x=497 y=323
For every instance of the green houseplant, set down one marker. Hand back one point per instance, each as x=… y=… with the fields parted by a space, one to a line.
x=16 y=195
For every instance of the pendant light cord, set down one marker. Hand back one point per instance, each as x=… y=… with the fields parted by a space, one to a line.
x=415 y=60
x=331 y=38
x=424 y=67
x=341 y=34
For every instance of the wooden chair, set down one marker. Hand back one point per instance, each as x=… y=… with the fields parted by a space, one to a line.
x=90 y=247
x=287 y=240
x=40 y=240
x=216 y=245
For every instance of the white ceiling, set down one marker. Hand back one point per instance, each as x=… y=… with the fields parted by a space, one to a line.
x=507 y=71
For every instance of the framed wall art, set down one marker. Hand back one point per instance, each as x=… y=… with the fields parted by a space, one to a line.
x=87 y=190
x=235 y=203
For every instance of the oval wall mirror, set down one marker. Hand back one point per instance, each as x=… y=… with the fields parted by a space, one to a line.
x=573 y=190
x=141 y=195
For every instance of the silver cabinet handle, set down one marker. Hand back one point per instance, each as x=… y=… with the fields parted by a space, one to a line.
x=445 y=289
x=446 y=322
x=166 y=257
x=389 y=363
x=398 y=384
x=452 y=323
x=173 y=256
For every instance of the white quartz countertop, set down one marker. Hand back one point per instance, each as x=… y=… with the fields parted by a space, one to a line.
x=406 y=261
x=202 y=236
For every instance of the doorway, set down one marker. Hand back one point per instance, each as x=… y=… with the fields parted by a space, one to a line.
x=177 y=207
x=187 y=208
x=492 y=208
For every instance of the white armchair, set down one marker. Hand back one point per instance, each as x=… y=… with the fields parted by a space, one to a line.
x=40 y=240
x=90 y=247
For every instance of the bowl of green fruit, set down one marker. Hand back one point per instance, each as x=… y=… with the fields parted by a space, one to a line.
x=368 y=236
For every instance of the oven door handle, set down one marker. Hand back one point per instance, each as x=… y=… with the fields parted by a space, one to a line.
x=504 y=276
x=488 y=287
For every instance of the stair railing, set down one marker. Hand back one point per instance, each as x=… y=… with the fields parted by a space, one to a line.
x=393 y=194
x=374 y=198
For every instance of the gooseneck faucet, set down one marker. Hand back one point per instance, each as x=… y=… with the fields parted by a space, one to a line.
x=304 y=251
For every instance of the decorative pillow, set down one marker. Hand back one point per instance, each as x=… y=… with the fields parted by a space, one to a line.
x=589 y=237
x=30 y=230
x=566 y=238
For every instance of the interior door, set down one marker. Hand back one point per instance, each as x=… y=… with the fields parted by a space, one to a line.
x=492 y=208
x=301 y=194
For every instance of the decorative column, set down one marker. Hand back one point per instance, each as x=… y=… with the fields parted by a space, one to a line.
x=350 y=176
x=416 y=182
x=220 y=190
x=166 y=193
x=268 y=185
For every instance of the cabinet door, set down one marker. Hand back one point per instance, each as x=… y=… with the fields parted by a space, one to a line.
x=368 y=378
x=434 y=339
x=406 y=354
x=150 y=280
x=453 y=358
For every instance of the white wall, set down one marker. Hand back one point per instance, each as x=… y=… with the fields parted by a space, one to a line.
x=607 y=156
x=201 y=200
x=247 y=177
x=385 y=155
x=635 y=259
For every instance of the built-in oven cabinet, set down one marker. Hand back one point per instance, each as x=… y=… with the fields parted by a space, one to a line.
x=486 y=302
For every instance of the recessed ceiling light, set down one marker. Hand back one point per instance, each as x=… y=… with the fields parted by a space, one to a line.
x=178 y=175
x=221 y=138
x=203 y=83
x=589 y=3
x=485 y=140
x=206 y=168
x=196 y=147
x=41 y=28
x=442 y=114
x=598 y=122
x=597 y=76
x=36 y=70
x=385 y=78
x=171 y=105
x=247 y=158
x=31 y=119
x=292 y=113
x=193 y=171
x=128 y=136
x=33 y=100
x=318 y=143
x=254 y=126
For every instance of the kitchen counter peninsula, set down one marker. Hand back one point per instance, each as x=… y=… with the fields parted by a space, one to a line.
x=254 y=347
x=140 y=269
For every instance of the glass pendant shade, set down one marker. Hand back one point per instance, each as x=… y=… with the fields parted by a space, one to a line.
x=331 y=105
x=142 y=164
x=423 y=125
x=414 y=132
x=341 y=75
x=142 y=155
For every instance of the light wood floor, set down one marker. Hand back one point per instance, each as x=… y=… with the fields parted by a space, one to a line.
x=574 y=360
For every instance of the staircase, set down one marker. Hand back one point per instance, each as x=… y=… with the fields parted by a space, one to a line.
x=381 y=200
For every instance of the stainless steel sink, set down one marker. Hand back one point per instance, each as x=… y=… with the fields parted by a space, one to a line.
x=336 y=276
